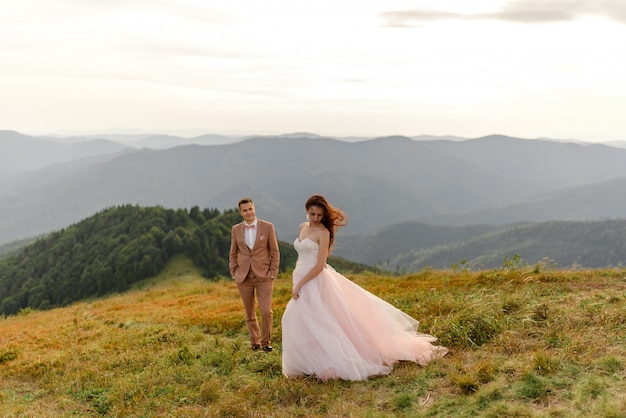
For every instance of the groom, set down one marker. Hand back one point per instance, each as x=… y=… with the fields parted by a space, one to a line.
x=253 y=261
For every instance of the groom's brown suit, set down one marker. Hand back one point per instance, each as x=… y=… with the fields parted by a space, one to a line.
x=254 y=269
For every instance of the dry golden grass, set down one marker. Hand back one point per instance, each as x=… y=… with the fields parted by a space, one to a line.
x=523 y=343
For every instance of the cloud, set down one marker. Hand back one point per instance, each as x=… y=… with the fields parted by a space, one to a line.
x=517 y=11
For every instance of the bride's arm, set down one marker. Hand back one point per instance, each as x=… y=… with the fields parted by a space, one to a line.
x=322 y=256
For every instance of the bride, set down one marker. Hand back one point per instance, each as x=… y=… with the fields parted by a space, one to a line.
x=334 y=329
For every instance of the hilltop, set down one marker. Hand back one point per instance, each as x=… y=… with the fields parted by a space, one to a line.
x=523 y=343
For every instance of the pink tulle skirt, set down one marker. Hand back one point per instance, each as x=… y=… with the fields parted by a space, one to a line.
x=338 y=330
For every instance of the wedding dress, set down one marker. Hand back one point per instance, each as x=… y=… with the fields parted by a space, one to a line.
x=338 y=330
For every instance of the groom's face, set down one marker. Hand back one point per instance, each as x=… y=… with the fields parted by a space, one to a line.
x=247 y=212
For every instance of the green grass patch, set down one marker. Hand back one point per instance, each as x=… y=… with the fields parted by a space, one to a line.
x=522 y=343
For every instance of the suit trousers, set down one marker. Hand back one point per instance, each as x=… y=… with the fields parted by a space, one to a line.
x=263 y=289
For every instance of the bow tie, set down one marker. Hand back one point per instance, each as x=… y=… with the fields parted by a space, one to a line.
x=250 y=226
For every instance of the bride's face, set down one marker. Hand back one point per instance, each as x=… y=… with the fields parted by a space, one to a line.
x=315 y=215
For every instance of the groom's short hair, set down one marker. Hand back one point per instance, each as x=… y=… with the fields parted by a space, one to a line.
x=244 y=201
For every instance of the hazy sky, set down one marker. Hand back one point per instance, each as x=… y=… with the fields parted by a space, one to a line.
x=525 y=68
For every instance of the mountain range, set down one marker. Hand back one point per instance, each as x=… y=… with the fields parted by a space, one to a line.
x=49 y=183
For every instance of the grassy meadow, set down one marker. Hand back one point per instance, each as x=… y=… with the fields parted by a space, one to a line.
x=524 y=342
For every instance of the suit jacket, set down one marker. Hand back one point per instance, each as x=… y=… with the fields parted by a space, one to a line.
x=263 y=258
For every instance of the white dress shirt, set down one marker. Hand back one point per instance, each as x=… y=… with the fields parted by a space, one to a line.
x=249 y=234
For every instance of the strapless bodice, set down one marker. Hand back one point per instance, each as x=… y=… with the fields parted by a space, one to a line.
x=307 y=250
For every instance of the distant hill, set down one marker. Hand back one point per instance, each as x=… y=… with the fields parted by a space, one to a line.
x=617 y=144
x=26 y=182
x=168 y=141
x=380 y=182
x=161 y=142
x=598 y=201
x=547 y=164
x=413 y=246
x=389 y=243
x=22 y=153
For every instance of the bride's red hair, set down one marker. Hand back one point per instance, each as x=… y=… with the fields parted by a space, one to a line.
x=333 y=218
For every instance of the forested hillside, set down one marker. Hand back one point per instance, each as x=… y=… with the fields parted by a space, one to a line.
x=110 y=250
x=116 y=247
